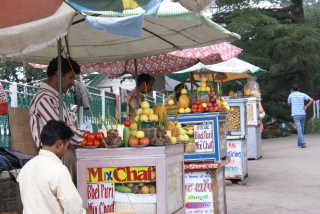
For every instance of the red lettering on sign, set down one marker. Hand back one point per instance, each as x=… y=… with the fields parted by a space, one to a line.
x=142 y=175
x=94 y=172
x=131 y=174
x=93 y=193
x=106 y=192
x=188 y=187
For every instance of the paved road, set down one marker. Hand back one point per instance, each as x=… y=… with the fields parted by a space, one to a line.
x=285 y=181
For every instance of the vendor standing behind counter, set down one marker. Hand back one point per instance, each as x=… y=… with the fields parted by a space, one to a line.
x=144 y=86
x=45 y=106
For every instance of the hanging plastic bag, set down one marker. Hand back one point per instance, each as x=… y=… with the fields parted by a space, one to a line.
x=3 y=101
x=86 y=126
x=252 y=88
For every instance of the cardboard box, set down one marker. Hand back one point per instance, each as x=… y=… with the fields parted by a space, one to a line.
x=21 y=138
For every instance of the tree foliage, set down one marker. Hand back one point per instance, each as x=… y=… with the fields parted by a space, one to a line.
x=19 y=72
x=287 y=46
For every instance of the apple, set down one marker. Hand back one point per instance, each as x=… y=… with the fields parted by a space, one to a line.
x=145 y=104
x=133 y=126
x=171 y=102
x=169 y=133
x=184 y=91
x=144 y=141
x=139 y=111
x=146 y=111
x=153 y=118
x=133 y=133
x=140 y=134
x=173 y=140
x=181 y=110
x=127 y=123
x=190 y=132
x=133 y=141
x=144 y=118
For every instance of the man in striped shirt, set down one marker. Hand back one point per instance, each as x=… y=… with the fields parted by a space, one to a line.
x=45 y=106
x=297 y=102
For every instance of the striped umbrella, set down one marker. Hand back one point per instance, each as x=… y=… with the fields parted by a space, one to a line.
x=165 y=63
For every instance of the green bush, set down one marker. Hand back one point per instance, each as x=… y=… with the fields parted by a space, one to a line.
x=313 y=125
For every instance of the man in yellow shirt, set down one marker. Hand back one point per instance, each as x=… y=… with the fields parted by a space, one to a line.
x=45 y=183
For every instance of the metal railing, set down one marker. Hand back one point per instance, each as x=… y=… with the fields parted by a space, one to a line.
x=20 y=95
x=102 y=103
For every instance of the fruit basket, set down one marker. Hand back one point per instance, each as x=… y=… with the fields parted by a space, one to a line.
x=157 y=136
x=113 y=139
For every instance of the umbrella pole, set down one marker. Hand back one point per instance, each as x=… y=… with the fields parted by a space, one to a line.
x=136 y=71
x=60 y=80
x=191 y=84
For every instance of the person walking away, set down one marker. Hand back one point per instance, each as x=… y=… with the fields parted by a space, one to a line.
x=45 y=107
x=297 y=102
x=45 y=183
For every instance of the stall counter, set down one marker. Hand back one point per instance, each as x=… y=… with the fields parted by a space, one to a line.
x=144 y=180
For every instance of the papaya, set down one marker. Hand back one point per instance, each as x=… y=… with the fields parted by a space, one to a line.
x=171 y=127
x=161 y=111
x=184 y=101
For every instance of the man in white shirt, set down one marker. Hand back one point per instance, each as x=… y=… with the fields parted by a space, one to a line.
x=45 y=183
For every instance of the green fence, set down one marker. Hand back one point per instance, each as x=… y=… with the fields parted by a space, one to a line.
x=97 y=113
x=25 y=94
x=159 y=98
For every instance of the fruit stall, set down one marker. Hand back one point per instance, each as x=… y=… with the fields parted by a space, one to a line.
x=134 y=166
x=138 y=165
x=236 y=124
x=202 y=130
x=254 y=133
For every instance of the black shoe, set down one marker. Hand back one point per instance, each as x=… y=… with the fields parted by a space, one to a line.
x=304 y=146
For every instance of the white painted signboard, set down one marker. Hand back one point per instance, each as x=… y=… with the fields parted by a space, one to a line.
x=198 y=193
x=203 y=136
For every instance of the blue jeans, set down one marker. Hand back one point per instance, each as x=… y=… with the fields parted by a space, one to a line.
x=300 y=120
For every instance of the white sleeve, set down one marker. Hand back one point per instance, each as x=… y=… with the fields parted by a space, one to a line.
x=67 y=193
